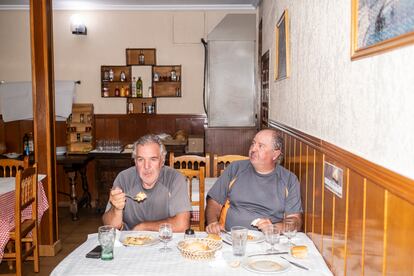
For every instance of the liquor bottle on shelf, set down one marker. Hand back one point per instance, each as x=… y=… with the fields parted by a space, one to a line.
x=122 y=76
x=144 y=107
x=149 y=92
x=139 y=87
x=122 y=94
x=106 y=90
x=26 y=150
x=134 y=87
x=111 y=74
x=141 y=58
x=173 y=75
x=127 y=93
x=130 y=108
x=117 y=91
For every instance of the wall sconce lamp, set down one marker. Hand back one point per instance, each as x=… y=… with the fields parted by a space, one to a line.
x=77 y=26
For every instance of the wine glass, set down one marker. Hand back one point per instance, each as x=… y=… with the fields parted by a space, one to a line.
x=289 y=229
x=165 y=233
x=272 y=236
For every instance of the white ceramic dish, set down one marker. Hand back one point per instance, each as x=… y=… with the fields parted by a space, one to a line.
x=265 y=264
x=153 y=239
x=60 y=150
x=12 y=155
x=252 y=237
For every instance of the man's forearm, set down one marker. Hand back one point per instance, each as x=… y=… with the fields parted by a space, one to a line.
x=113 y=217
x=298 y=218
x=213 y=210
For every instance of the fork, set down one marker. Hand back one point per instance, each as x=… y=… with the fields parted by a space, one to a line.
x=131 y=197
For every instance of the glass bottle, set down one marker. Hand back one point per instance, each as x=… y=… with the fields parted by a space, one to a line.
x=139 y=87
x=127 y=93
x=134 y=87
x=31 y=143
x=144 y=107
x=111 y=74
x=130 y=108
x=189 y=234
x=122 y=94
x=173 y=75
x=117 y=91
x=149 y=91
x=122 y=76
x=26 y=144
x=141 y=58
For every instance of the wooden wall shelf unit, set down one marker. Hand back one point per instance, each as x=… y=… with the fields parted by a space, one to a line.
x=79 y=135
x=168 y=84
x=133 y=56
x=141 y=105
x=109 y=84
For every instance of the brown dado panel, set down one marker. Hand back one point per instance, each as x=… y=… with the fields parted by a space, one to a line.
x=369 y=231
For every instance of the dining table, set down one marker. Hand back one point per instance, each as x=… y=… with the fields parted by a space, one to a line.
x=148 y=260
x=7 y=210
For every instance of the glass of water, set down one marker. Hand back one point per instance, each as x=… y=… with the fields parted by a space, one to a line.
x=272 y=236
x=239 y=240
x=289 y=229
x=165 y=234
x=106 y=236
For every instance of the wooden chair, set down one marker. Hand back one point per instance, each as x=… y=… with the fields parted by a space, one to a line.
x=220 y=163
x=26 y=231
x=9 y=167
x=191 y=175
x=193 y=162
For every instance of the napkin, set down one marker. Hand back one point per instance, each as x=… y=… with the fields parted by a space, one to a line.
x=118 y=242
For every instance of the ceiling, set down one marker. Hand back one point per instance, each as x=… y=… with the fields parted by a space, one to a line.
x=136 y=4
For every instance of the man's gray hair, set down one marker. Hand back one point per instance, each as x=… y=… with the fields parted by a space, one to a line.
x=147 y=139
x=278 y=144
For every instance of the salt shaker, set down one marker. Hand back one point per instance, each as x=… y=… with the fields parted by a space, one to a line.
x=189 y=234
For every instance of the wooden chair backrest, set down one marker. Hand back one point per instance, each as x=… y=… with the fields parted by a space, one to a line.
x=190 y=176
x=193 y=162
x=26 y=197
x=220 y=163
x=10 y=167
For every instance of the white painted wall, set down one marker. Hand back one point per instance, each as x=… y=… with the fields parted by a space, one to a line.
x=364 y=106
x=175 y=34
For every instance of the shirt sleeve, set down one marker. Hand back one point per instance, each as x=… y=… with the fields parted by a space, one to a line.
x=293 y=200
x=220 y=189
x=179 y=199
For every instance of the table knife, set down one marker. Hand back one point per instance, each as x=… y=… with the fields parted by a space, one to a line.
x=295 y=264
x=265 y=254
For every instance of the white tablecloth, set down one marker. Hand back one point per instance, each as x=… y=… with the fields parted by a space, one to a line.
x=149 y=261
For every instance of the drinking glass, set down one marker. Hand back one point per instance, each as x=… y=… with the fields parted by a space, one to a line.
x=239 y=240
x=106 y=237
x=165 y=233
x=289 y=229
x=272 y=236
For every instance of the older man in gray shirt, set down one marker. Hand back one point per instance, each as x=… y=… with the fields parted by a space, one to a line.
x=164 y=189
x=259 y=191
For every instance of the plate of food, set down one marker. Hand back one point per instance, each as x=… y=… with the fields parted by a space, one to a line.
x=265 y=264
x=252 y=236
x=12 y=155
x=140 y=240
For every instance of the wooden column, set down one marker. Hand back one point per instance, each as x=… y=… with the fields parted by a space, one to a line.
x=44 y=116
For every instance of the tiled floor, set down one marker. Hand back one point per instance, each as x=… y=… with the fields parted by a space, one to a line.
x=71 y=235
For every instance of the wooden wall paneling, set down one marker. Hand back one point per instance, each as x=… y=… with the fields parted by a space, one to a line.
x=400 y=238
x=223 y=141
x=2 y=131
x=128 y=129
x=328 y=210
x=60 y=133
x=99 y=127
x=112 y=128
x=304 y=184
x=162 y=124
x=13 y=137
x=319 y=200
x=356 y=207
x=374 y=229
x=310 y=217
x=339 y=225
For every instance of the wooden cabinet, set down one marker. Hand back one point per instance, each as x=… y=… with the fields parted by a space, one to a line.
x=141 y=56
x=79 y=129
x=115 y=81
x=141 y=105
x=166 y=80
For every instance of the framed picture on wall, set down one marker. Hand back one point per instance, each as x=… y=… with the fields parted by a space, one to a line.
x=282 y=47
x=381 y=25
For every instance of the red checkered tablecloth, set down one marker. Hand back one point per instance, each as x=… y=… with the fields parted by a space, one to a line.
x=7 y=203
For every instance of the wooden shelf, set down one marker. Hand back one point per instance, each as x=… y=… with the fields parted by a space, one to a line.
x=132 y=56
x=139 y=103
x=108 y=86
x=166 y=86
x=79 y=129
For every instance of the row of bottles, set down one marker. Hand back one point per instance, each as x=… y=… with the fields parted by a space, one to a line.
x=172 y=76
x=109 y=75
x=145 y=108
x=124 y=90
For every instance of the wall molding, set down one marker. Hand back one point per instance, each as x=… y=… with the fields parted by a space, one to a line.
x=389 y=180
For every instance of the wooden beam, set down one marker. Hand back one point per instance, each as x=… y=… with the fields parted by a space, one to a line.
x=44 y=110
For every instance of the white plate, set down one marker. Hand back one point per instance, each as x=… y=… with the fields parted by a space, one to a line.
x=252 y=237
x=154 y=240
x=12 y=155
x=265 y=264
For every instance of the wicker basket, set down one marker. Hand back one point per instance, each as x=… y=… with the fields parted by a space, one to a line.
x=213 y=246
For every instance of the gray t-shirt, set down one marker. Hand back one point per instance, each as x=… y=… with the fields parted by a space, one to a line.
x=255 y=195
x=167 y=198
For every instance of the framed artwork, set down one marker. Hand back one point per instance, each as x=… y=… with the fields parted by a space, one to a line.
x=282 y=47
x=381 y=25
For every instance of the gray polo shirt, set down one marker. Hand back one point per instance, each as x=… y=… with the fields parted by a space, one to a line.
x=255 y=195
x=167 y=198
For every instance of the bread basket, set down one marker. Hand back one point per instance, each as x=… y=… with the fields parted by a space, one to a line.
x=205 y=254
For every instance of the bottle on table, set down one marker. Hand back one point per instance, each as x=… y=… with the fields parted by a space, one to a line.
x=139 y=87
